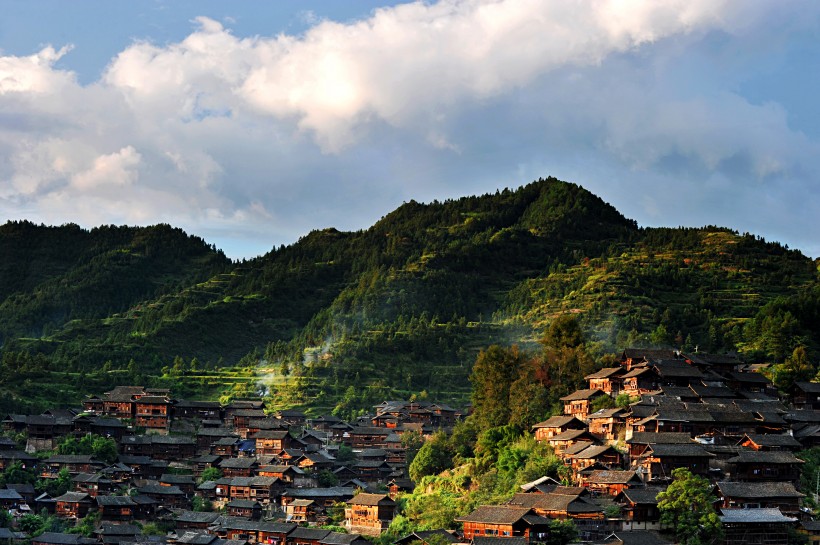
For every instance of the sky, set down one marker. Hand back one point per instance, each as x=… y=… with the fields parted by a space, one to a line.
x=252 y=123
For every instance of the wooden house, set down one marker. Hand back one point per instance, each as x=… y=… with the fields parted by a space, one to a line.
x=206 y=437
x=324 y=497
x=656 y=462
x=770 y=441
x=780 y=495
x=806 y=395
x=194 y=520
x=751 y=465
x=561 y=502
x=555 y=425
x=610 y=482
x=93 y=484
x=640 y=440
x=73 y=505
x=361 y=437
x=607 y=423
x=74 y=463
x=44 y=431
x=603 y=455
x=57 y=538
x=153 y=413
x=10 y=498
x=120 y=402
x=248 y=509
x=172 y=447
x=579 y=403
x=753 y=526
x=302 y=511
x=240 y=419
x=369 y=514
x=168 y=496
x=271 y=442
x=504 y=521
x=608 y=379
x=197 y=410
x=562 y=441
x=114 y=534
x=238 y=467
x=116 y=508
x=186 y=483
x=635 y=356
x=639 y=507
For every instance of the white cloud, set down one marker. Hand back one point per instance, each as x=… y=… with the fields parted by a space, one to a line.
x=284 y=133
x=113 y=169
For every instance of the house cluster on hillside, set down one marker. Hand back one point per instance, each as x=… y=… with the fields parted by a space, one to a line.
x=701 y=412
x=281 y=475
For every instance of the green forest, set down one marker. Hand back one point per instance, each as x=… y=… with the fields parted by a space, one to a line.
x=340 y=320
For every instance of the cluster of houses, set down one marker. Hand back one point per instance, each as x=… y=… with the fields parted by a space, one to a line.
x=709 y=414
x=279 y=476
x=282 y=476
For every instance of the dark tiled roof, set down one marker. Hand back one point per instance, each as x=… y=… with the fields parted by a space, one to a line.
x=688 y=451
x=753 y=515
x=371 y=500
x=197 y=517
x=308 y=533
x=808 y=387
x=651 y=438
x=579 y=395
x=643 y=496
x=73 y=497
x=496 y=514
x=58 y=538
x=764 y=457
x=558 y=422
x=484 y=540
x=606 y=372
x=612 y=477
x=636 y=537
x=773 y=440
x=759 y=490
x=113 y=501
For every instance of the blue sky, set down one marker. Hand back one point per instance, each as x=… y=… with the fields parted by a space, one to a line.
x=251 y=123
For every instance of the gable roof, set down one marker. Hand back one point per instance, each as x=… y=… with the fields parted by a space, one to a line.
x=759 y=490
x=642 y=496
x=496 y=514
x=371 y=499
x=753 y=515
x=764 y=457
x=579 y=395
x=615 y=476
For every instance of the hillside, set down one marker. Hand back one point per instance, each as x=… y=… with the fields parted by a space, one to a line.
x=403 y=306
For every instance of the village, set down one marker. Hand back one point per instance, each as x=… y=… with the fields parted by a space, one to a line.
x=239 y=475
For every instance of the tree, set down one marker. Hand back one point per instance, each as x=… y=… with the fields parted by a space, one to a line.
x=210 y=474
x=104 y=449
x=327 y=479
x=564 y=332
x=412 y=441
x=494 y=372
x=433 y=458
x=345 y=454
x=687 y=506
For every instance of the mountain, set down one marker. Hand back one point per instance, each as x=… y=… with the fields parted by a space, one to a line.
x=403 y=306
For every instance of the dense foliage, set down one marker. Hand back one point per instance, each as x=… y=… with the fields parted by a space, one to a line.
x=687 y=507
x=339 y=321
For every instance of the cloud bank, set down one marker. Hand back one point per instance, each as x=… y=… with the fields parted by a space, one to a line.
x=252 y=141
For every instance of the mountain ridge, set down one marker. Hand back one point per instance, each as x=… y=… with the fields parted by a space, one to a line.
x=407 y=301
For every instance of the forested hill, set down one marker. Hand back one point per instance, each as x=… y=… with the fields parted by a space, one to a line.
x=403 y=306
x=50 y=276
